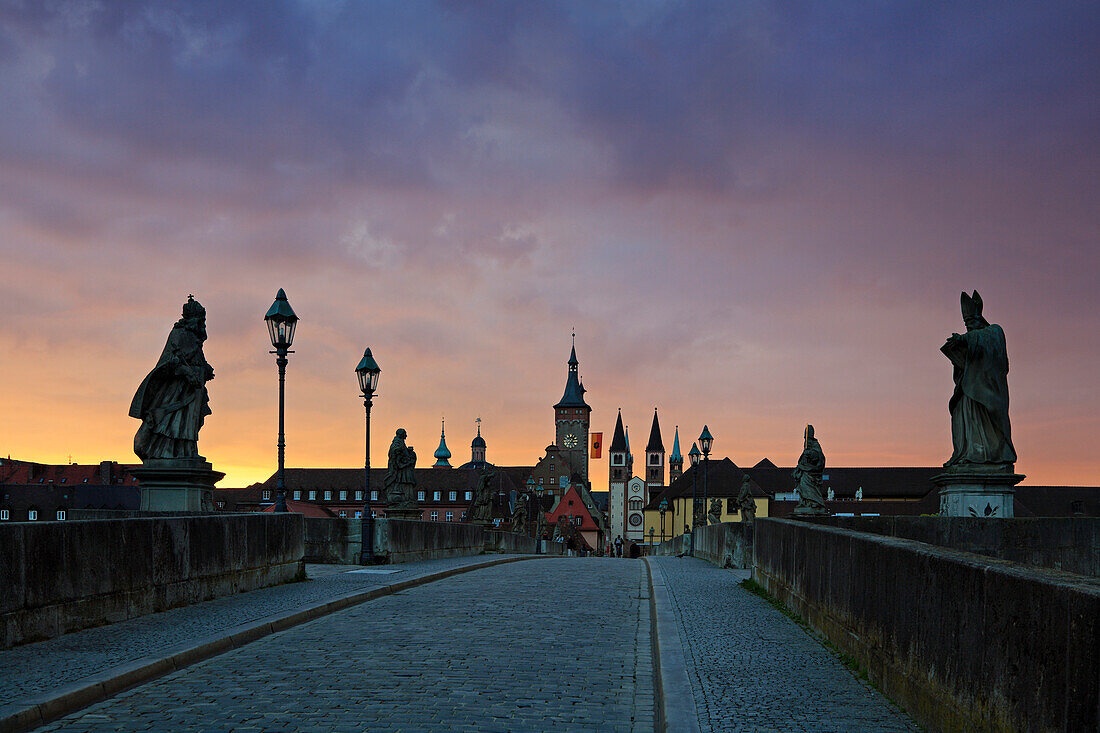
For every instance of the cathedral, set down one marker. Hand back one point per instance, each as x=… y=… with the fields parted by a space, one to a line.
x=629 y=494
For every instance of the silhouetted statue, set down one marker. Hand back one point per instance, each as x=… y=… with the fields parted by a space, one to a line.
x=811 y=465
x=172 y=401
x=745 y=501
x=521 y=516
x=400 y=480
x=980 y=430
x=481 y=509
x=714 y=516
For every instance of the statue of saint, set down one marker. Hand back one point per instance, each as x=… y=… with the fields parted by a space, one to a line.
x=715 y=513
x=400 y=480
x=980 y=431
x=481 y=509
x=811 y=465
x=172 y=401
x=520 y=517
x=745 y=501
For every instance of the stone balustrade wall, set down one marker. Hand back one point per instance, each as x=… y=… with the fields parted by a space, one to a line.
x=404 y=540
x=57 y=577
x=727 y=545
x=1060 y=543
x=961 y=641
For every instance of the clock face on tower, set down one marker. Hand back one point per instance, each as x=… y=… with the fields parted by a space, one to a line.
x=570 y=441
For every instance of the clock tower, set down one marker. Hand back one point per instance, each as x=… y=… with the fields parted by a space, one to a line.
x=571 y=420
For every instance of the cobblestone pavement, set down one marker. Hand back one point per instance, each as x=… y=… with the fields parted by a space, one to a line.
x=753 y=669
x=540 y=645
x=36 y=668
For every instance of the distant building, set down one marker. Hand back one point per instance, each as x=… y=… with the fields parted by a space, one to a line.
x=32 y=491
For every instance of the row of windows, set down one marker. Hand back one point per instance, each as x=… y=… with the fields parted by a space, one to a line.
x=343 y=495
x=32 y=515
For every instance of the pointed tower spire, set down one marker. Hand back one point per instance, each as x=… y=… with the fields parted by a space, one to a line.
x=574 y=392
x=442 y=453
x=618 y=441
x=676 y=460
x=655 y=442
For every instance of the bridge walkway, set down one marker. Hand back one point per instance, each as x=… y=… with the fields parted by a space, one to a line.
x=553 y=644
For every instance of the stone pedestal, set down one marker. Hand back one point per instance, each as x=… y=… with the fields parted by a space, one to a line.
x=415 y=514
x=977 y=492
x=177 y=484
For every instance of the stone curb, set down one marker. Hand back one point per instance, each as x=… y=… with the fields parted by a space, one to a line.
x=64 y=701
x=675 y=701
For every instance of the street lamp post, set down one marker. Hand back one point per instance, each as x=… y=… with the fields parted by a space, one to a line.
x=705 y=439
x=534 y=504
x=281 y=322
x=367 y=371
x=693 y=456
x=663 y=508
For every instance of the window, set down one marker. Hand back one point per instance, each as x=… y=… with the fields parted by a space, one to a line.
x=328 y=495
x=540 y=480
x=297 y=495
x=63 y=480
x=343 y=514
x=267 y=494
x=618 y=459
x=731 y=505
x=32 y=515
x=452 y=496
x=825 y=477
x=359 y=513
x=312 y=495
x=343 y=496
x=85 y=480
x=469 y=496
x=435 y=516
x=419 y=495
x=359 y=495
x=450 y=516
x=437 y=495
x=374 y=495
x=61 y=515
x=635 y=504
x=4 y=515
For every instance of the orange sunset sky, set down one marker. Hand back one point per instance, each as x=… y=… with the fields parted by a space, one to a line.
x=755 y=216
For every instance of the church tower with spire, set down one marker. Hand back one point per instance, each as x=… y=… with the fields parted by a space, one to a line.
x=619 y=474
x=676 y=460
x=477 y=447
x=655 y=457
x=571 y=420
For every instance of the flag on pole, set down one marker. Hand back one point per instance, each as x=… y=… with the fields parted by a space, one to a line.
x=597 y=445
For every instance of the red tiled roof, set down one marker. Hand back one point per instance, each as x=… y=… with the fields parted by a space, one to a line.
x=306 y=509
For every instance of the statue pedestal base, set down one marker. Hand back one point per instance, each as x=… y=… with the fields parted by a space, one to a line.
x=177 y=484
x=977 y=492
x=415 y=514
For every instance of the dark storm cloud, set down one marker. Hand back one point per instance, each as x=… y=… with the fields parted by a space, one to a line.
x=679 y=91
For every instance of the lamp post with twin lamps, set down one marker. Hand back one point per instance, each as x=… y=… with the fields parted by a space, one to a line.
x=663 y=508
x=281 y=322
x=367 y=371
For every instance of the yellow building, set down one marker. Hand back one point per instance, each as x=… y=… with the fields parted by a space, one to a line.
x=723 y=482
